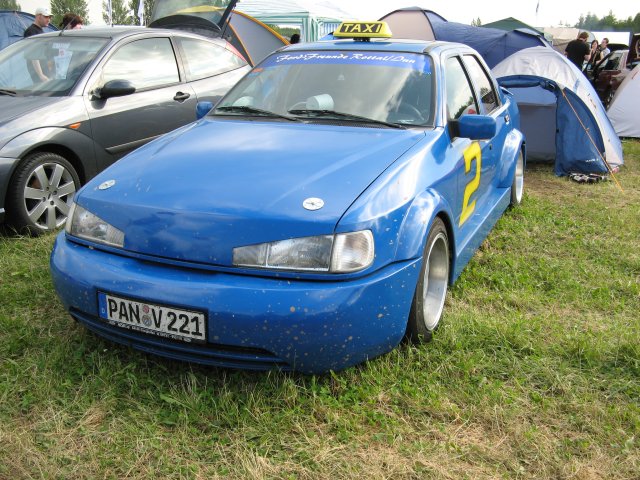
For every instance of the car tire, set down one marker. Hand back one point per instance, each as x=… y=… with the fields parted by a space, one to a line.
x=40 y=193
x=608 y=96
x=517 y=186
x=431 y=290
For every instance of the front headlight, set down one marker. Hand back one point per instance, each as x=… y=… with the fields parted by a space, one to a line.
x=340 y=253
x=84 y=224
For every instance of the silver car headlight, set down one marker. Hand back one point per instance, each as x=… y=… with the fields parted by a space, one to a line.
x=84 y=224
x=340 y=253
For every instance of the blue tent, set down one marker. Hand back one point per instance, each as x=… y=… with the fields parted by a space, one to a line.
x=493 y=44
x=560 y=113
x=13 y=24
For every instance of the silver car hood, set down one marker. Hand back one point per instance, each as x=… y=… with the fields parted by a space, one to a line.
x=14 y=107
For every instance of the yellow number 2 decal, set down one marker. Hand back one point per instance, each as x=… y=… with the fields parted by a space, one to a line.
x=472 y=152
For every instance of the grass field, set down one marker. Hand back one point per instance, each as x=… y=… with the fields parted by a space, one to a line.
x=535 y=372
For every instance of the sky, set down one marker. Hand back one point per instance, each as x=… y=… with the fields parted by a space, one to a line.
x=550 y=13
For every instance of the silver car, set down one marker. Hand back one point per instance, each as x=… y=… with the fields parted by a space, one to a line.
x=73 y=102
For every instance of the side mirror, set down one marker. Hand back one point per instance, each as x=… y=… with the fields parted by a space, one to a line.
x=477 y=127
x=114 y=88
x=202 y=108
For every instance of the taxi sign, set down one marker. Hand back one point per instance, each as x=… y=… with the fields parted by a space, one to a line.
x=363 y=30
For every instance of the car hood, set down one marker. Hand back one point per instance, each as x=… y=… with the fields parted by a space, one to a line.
x=196 y=193
x=15 y=107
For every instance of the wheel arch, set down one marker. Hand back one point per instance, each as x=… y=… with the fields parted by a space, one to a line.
x=75 y=146
x=514 y=144
x=417 y=224
x=62 y=150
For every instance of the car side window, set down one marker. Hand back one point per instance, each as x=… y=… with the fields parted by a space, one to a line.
x=460 y=98
x=205 y=59
x=488 y=96
x=612 y=62
x=147 y=63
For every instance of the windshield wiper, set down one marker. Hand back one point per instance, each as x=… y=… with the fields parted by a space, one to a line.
x=254 y=111
x=347 y=116
x=11 y=93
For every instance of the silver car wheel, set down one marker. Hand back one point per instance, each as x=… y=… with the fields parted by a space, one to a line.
x=431 y=290
x=517 y=187
x=41 y=192
x=48 y=195
x=436 y=278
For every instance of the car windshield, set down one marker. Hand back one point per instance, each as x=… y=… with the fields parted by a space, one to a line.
x=345 y=86
x=46 y=65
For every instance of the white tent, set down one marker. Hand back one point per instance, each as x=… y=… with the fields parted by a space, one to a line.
x=583 y=132
x=315 y=19
x=624 y=108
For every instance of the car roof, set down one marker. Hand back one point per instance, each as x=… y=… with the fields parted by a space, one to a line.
x=394 y=45
x=117 y=32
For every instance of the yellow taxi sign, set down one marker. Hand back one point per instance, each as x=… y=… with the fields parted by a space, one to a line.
x=363 y=30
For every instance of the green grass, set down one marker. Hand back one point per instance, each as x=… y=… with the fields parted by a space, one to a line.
x=535 y=372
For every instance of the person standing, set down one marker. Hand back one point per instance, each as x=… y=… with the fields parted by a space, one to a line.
x=43 y=17
x=578 y=51
x=595 y=55
x=40 y=22
x=604 y=47
x=71 y=21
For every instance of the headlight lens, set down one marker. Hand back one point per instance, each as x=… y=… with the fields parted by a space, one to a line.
x=340 y=253
x=84 y=224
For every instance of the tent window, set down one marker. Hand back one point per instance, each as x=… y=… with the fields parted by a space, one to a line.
x=487 y=92
x=460 y=99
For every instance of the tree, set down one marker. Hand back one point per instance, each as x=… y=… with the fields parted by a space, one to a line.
x=125 y=12
x=120 y=13
x=10 y=5
x=148 y=10
x=60 y=7
x=609 y=23
x=476 y=23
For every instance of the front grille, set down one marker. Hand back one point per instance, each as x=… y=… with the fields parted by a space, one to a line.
x=214 y=354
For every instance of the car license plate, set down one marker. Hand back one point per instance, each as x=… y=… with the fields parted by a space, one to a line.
x=159 y=320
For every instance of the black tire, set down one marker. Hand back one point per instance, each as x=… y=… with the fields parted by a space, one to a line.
x=40 y=193
x=608 y=96
x=517 y=186
x=431 y=290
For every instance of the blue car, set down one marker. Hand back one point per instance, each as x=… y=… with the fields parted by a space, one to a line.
x=309 y=221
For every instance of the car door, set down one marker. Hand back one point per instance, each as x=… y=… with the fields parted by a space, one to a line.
x=210 y=67
x=474 y=162
x=608 y=67
x=490 y=105
x=161 y=102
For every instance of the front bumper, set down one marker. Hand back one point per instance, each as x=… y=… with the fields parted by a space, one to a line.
x=7 y=166
x=253 y=322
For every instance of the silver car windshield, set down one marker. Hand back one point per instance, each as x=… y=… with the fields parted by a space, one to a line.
x=46 y=65
x=347 y=86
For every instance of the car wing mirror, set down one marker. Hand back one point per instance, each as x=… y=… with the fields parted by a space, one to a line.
x=477 y=127
x=202 y=108
x=114 y=88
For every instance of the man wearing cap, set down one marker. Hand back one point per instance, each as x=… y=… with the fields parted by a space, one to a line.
x=43 y=17
x=34 y=66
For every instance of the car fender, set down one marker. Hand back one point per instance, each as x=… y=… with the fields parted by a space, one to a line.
x=513 y=144
x=72 y=144
x=417 y=222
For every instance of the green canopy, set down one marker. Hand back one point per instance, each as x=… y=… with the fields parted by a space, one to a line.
x=511 y=23
x=314 y=19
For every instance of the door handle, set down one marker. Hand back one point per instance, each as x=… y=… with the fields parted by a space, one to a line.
x=181 y=96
